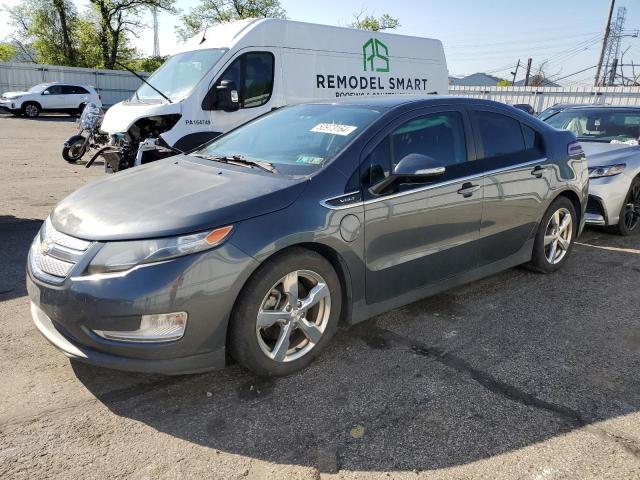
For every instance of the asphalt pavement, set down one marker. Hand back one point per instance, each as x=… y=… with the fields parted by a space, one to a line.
x=517 y=376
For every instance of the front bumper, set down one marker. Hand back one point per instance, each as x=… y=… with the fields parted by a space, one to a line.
x=8 y=106
x=204 y=285
x=606 y=199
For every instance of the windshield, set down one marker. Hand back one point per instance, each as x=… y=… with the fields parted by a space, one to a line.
x=179 y=74
x=296 y=140
x=600 y=125
x=38 y=88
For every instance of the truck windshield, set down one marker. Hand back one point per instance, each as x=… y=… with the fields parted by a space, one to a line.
x=296 y=140
x=599 y=124
x=179 y=74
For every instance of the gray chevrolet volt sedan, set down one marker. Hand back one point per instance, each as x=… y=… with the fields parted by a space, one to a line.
x=258 y=245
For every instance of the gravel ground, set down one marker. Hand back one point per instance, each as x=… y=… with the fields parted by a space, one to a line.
x=516 y=376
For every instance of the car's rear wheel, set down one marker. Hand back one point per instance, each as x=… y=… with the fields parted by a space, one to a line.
x=286 y=313
x=629 y=223
x=31 y=110
x=555 y=236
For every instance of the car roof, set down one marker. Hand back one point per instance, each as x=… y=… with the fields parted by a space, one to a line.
x=388 y=102
x=605 y=107
x=66 y=83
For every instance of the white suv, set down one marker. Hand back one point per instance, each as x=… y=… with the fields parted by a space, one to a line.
x=49 y=97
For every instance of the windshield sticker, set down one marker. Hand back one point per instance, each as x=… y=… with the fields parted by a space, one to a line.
x=309 y=159
x=334 y=129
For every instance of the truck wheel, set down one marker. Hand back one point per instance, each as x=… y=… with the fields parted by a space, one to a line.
x=31 y=110
x=555 y=237
x=286 y=313
x=75 y=150
x=629 y=223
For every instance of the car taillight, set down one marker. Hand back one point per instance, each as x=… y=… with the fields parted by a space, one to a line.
x=574 y=148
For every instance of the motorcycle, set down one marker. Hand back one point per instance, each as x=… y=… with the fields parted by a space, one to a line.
x=77 y=145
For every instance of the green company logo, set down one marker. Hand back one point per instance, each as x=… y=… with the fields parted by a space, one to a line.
x=375 y=54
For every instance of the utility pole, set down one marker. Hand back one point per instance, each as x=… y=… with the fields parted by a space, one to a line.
x=612 y=73
x=526 y=76
x=605 y=40
x=515 y=73
x=156 y=37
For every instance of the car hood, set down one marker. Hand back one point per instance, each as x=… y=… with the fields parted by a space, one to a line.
x=173 y=196
x=600 y=153
x=120 y=117
x=14 y=94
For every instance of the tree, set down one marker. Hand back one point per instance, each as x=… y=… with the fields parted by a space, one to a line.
x=46 y=26
x=504 y=83
x=540 y=78
x=7 y=52
x=369 y=22
x=213 y=12
x=118 y=18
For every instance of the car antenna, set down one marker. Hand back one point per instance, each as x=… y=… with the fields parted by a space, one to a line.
x=144 y=80
x=204 y=35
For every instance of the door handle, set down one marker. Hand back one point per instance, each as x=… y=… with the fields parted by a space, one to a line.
x=538 y=170
x=467 y=189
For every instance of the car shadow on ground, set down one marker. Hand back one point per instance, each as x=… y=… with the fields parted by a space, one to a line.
x=446 y=381
x=16 y=235
x=47 y=117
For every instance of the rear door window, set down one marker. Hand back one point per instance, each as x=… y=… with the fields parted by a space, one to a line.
x=504 y=140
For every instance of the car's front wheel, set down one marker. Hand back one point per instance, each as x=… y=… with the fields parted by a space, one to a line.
x=286 y=313
x=555 y=236
x=30 y=110
x=629 y=223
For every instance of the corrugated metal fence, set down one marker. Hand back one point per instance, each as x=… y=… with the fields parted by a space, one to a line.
x=543 y=97
x=113 y=85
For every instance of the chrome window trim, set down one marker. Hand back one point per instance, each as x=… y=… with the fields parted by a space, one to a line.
x=430 y=187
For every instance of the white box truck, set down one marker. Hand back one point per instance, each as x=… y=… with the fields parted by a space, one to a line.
x=236 y=71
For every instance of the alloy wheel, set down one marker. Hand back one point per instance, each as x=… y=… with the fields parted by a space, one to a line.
x=558 y=236
x=632 y=207
x=293 y=316
x=31 y=111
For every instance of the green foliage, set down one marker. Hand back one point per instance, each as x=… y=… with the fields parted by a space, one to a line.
x=504 y=83
x=7 y=52
x=98 y=38
x=148 y=64
x=213 y=12
x=369 y=22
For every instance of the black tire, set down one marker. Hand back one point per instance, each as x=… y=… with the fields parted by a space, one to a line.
x=242 y=339
x=629 y=223
x=539 y=259
x=79 y=110
x=74 y=151
x=31 y=110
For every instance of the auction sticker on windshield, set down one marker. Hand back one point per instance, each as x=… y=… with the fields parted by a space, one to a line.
x=334 y=129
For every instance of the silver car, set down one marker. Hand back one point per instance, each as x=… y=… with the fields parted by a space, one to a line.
x=609 y=136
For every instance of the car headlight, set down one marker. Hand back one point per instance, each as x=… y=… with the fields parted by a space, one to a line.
x=121 y=256
x=607 y=170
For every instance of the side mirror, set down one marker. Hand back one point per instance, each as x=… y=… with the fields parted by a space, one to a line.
x=227 y=96
x=46 y=92
x=414 y=168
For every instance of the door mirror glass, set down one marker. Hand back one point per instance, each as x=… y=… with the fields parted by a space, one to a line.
x=413 y=168
x=416 y=167
x=227 y=96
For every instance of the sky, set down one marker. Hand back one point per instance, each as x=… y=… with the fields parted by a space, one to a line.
x=478 y=35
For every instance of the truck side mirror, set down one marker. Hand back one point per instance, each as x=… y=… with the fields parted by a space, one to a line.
x=227 y=96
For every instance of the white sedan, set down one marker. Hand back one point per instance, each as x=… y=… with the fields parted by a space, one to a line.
x=609 y=136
